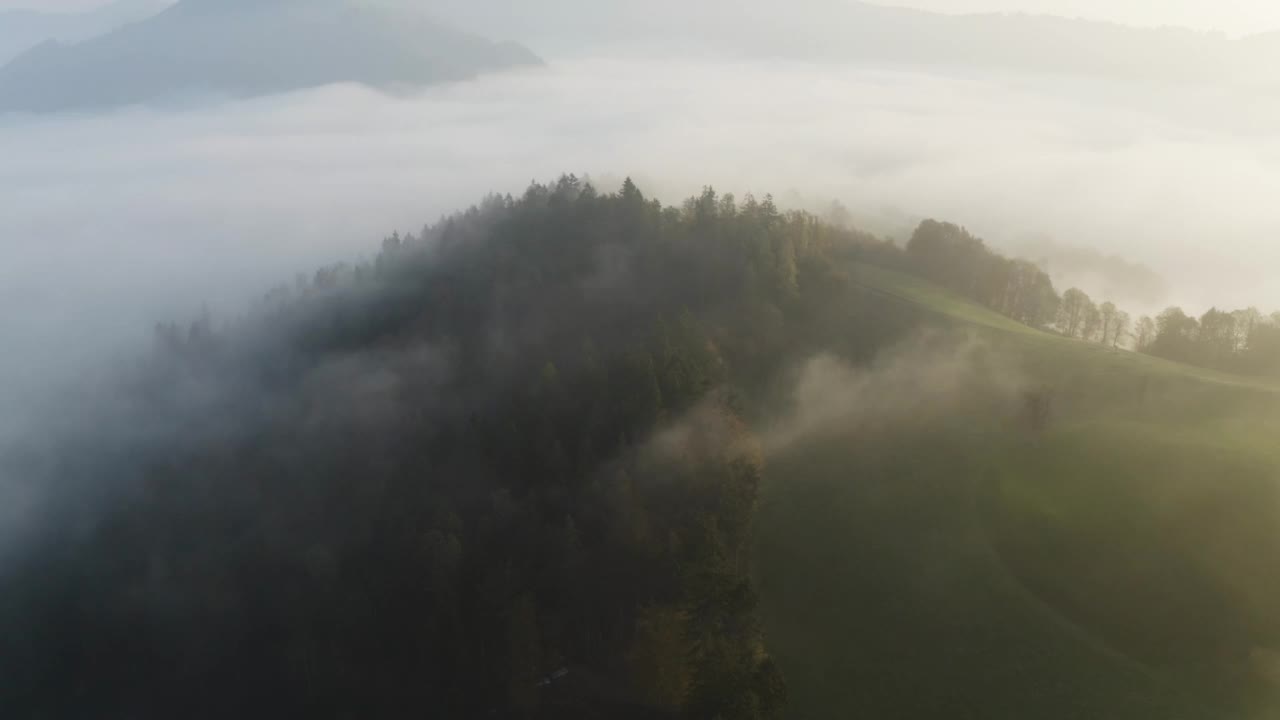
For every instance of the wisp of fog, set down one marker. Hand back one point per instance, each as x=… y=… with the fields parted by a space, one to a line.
x=923 y=377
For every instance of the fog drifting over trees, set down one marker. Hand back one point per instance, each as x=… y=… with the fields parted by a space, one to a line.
x=1148 y=194
x=111 y=220
x=244 y=390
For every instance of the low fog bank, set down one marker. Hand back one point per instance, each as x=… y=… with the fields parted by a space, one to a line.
x=1125 y=282
x=18 y=509
x=111 y=223
x=848 y=30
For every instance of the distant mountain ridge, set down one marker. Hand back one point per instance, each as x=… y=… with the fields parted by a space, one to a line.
x=241 y=48
x=845 y=30
x=21 y=30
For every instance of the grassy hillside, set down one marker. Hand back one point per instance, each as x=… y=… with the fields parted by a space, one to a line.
x=1115 y=560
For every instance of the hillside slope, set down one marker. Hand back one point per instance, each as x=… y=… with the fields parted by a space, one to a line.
x=958 y=560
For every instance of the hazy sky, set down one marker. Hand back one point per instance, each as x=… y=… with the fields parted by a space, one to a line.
x=1238 y=17
x=1232 y=16
x=52 y=5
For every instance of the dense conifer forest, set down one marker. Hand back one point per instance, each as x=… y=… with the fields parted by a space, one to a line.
x=504 y=468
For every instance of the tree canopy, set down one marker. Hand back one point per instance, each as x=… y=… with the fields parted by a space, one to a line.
x=504 y=467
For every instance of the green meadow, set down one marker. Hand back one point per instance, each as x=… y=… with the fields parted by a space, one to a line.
x=1096 y=536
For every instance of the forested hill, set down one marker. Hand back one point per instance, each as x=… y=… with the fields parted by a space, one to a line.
x=504 y=469
x=200 y=48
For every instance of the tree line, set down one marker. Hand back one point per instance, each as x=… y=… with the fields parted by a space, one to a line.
x=1243 y=341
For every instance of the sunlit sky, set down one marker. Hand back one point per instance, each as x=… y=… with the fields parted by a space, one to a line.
x=1238 y=17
